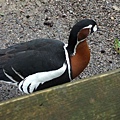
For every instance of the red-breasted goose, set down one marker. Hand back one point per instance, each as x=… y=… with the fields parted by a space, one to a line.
x=42 y=63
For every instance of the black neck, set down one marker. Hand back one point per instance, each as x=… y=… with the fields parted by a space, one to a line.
x=74 y=34
x=72 y=42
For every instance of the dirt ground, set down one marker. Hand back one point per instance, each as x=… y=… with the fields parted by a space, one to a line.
x=24 y=20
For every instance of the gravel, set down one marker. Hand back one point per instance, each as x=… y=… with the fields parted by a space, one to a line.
x=24 y=20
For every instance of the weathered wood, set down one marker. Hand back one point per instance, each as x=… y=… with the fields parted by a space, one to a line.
x=94 y=98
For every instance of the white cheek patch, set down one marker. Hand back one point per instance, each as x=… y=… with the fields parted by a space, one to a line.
x=95 y=28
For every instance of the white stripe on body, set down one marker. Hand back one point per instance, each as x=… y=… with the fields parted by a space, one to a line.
x=68 y=61
x=18 y=73
x=33 y=81
x=11 y=83
x=8 y=76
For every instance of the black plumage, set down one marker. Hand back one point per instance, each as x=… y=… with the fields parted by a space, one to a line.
x=31 y=57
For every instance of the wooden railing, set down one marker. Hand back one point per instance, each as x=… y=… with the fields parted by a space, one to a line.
x=94 y=98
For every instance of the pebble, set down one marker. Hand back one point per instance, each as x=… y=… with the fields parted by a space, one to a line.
x=27 y=16
x=102 y=51
x=64 y=15
x=71 y=12
x=112 y=18
x=44 y=1
x=49 y=23
x=116 y=8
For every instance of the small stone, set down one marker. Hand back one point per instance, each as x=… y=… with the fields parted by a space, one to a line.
x=44 y=1
x=116 y=8
x=2 y=14
x=46 y=10
x=46 y=18
x=64 y=15
x=102 y=51
x=27 y=16
x=71 y=12
x=110 y=61
x=112 y=18
x=49 y=23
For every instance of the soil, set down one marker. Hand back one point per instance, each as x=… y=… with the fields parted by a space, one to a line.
x=24 y=20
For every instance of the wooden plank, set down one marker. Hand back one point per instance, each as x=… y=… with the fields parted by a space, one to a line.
x=94 y=98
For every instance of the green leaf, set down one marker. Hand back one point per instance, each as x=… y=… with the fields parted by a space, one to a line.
x=117 y=45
